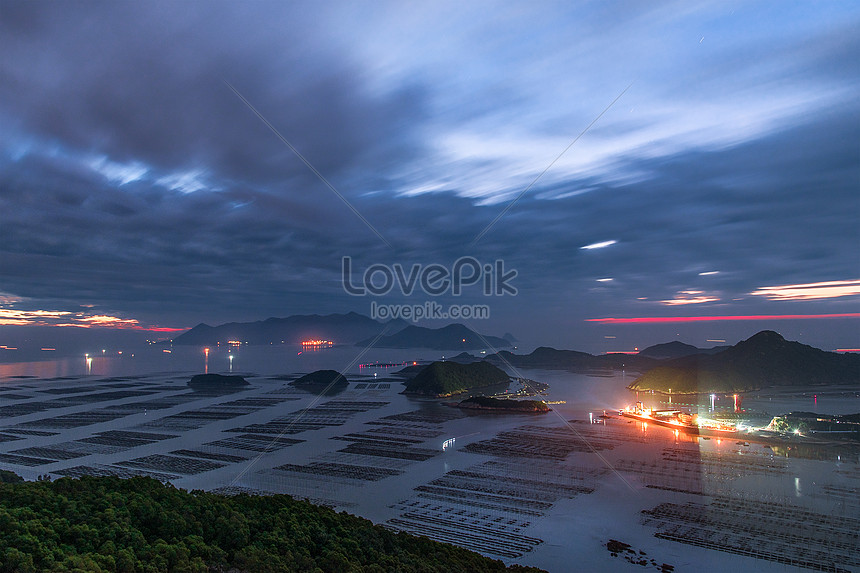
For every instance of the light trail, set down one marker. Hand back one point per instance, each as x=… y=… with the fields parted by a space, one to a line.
x=668 y=319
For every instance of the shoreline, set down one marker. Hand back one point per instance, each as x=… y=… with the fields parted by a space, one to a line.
x=743 y=436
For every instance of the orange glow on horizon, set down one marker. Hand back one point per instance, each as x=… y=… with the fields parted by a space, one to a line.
x=690 y=297
x=661 y=319
x=810 y=291
x=59 y=318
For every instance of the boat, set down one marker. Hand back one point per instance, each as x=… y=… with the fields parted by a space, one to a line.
x=677 y=420
x=665 y=418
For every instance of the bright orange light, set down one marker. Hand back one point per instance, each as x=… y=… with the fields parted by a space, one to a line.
x=317 y=343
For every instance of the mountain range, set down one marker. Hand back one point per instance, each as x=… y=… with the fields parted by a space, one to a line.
x=765 y=359
x=350 y=328
x=554 y=359
x=339 y=328
x=676 y=349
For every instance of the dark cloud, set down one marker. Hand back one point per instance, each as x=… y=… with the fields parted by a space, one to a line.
x=147 y=84
x=133 y=179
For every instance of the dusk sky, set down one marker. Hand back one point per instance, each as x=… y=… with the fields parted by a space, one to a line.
x=138 y=189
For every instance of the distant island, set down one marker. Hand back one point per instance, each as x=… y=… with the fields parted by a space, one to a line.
x=462 y=358
x=502 y=405
x=350 y=328
x=451 y=337
x=677 y=349
x=763 y=360
x=552 y=359
x=216 y=382
x=340 y=328
x=413 y=369
x=321 y=378
x=443 y=379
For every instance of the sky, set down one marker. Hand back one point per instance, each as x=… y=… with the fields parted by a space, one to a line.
x=164 y=164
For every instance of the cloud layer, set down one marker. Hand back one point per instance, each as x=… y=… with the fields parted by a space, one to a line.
x=133 y=180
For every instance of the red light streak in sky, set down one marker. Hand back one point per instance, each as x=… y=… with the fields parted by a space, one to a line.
x=667 y=319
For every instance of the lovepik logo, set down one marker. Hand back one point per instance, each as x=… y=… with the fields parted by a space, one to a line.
x=434 y=279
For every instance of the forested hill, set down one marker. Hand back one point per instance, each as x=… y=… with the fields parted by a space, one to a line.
x=97 y=524
x=442 y=379
x=763 y=360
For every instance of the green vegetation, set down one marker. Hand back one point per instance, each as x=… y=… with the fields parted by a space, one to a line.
x=442 y=379
x=100 y=524
x=321 y=378
x=690 y=381
x=412 y=370
x=9 y=477
x=487 y=403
